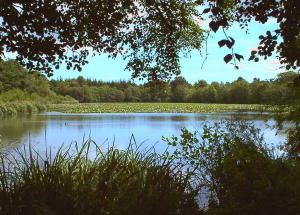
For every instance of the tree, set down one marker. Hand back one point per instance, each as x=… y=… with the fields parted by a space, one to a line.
x=14 y=76
x=257 y=89
x=240 y=91
x=159 y=91
x=179 y=81
x=275 y=95
x=200 y=84
x=179 y=89
x=209 y=94
x=284 y=12
x=180 y=93
x=286 y=77
x=150 y=34
x=132 y=94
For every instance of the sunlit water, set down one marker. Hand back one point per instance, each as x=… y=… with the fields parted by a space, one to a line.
x=54 y=129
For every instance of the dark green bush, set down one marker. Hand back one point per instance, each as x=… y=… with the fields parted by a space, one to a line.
x=238 y=171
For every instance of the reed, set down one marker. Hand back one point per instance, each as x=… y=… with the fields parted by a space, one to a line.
x=20 y=108
x=89 y=180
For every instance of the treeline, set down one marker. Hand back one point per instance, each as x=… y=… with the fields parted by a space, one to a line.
x=18 y=84
x=277 y=91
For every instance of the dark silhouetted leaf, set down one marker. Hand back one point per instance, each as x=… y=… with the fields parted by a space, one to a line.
x=222 y=43
x=228 y=58
x=206 y=10
x=239 y=57
x=214 y=26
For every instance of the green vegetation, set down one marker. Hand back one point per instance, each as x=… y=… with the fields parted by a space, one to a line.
x=25 y=108
x=17 y=84
x=23 y=92
x=229 y=161
x=237 y=171
x=155 y=108
x=277 y=91
x=152 y=35
x=114 y=182
x=225 y=169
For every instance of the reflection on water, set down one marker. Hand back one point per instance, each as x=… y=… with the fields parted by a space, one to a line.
x=53 y=129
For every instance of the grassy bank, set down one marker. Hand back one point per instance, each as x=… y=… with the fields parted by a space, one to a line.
x=156 y=108
x=115 y=182
x=20 y=108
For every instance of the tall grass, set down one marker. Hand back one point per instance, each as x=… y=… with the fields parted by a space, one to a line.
x=90 y=181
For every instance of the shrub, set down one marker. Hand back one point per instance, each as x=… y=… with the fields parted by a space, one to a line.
x=31 y=108
x=239 y=173
x=20 y=108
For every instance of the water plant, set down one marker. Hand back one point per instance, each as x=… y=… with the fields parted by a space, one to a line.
x=156 y=107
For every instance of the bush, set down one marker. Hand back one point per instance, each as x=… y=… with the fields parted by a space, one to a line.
x=7 y=110
x=238 y=171
x=20 y=108
x=12 y=95
x=31 y=108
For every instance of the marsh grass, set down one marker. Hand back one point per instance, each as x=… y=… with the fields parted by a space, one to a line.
x=131 y=181
x=20 y=108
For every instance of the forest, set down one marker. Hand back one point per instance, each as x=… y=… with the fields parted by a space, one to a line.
x=16 y=83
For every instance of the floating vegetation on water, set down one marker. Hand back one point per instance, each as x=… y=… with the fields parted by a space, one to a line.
x=157 y=108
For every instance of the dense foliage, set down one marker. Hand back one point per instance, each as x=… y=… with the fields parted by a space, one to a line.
x=225 y=169
x=93 y=181
x=236 y=171
x=276 y=91
x=24 y=108
x=150 y=34
x=17 y=84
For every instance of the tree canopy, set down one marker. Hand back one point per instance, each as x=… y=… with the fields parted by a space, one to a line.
x=151 y=35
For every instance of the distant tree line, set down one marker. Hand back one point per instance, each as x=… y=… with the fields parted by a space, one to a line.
x=276 y=91
x=16 y=83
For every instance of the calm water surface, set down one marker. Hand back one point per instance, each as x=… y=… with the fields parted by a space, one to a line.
x=54 y=129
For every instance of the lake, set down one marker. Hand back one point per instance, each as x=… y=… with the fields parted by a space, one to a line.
x=54 y=129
